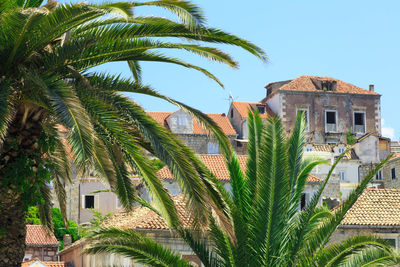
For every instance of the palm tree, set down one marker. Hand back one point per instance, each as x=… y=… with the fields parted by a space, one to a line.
x=268 y=227
x=54 y=109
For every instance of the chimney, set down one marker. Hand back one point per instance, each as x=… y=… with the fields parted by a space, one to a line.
x=67 y=240
x=371 y=87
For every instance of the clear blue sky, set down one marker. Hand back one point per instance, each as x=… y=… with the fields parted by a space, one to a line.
x=355 y=41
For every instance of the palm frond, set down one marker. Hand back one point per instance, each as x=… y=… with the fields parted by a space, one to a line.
x=187 y=12
x=321 y=236
x=133 y=245
x=136 y=70
x=44 y=206
x=337 y=254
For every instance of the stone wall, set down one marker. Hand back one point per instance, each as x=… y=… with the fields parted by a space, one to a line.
x=318 y=102
x=199 y=143
x=387 y=179
x=42 y=253
x=180 y=122
x=164 y=237
x=344 y=232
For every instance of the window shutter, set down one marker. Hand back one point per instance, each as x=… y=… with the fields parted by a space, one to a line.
x=82 y=201
x=96 y=202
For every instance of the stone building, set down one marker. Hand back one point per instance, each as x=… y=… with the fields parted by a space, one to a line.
x=377 y=211
x=389 y=176
x=192 y=133
x=82 y=198
x=332 y=107
x=40 y=244
x=217 y=165
x=144 y=221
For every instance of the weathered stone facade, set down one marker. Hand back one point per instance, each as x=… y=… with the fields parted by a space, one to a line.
x=287 y=103
x=203 y=143
x=344 y=232
x=45 y=253
x=390 y=174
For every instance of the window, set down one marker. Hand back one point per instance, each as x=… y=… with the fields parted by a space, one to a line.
x=305 y=111
x=379 y=175
x=393 y=170
x=340 y=150
x=392 y=240
x=212 y=148
x=261 y=109
x=181 y=120
x=118 y=204
x=309 y=149
x=330 y=121
x=303 y=201
x=331 y=117
x=359 y=122
x=89 y=202
x=328 y=85
x=231 y=113
x=342 y=175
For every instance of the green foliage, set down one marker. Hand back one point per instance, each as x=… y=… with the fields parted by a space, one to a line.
x=350 y=139
x=98 y=218
x=32 y=217
x=158 y=164
x=23 y=166
x=48 y=77
x=265 y=226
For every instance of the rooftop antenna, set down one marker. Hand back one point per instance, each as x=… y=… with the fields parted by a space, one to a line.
x=231 y=98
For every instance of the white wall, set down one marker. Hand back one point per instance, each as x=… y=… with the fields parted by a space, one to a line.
x=275 y=105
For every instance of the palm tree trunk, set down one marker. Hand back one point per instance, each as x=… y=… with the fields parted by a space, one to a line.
x=12 y=228
x=20 y=154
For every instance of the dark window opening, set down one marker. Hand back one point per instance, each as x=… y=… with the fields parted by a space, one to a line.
x=393 y=173
x=331 y=117
x=328 y=85
x=261 y=109
x=238 y=144
x=359 y=118
x=391 y=241
x=89 y=202
x=231 y=113
x=303 y=201
x=379 y=175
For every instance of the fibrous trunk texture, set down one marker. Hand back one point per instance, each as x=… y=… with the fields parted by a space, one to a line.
x=21 y=141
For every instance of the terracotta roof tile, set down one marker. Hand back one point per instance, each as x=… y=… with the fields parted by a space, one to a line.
x=329 y=148
x=37 y=235
x=314 y=179
x=216 y=164
x=159 y=117
x=243 y=107
x=379 y=207
x=144 y=218
x=219 y=118
x=46 y=263
x=310 y=83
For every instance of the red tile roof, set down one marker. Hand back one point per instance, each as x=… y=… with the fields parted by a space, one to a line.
x=37 y=235
x=144 y=218
x=219 y=118
x=243 y=107
x=378 y=207
x=46 y=263
x=159 y=117
x=310 y=83
x=216 y=164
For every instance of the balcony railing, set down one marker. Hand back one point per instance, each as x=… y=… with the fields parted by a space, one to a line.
x=330 y=127
x=359 y=128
